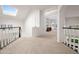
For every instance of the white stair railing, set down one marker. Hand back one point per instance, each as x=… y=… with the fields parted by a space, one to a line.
x=8 y=35
x=72 y=38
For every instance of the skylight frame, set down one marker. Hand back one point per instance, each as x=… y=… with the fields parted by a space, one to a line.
x=8 y=10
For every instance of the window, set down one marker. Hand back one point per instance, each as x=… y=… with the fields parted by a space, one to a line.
x=8 y=10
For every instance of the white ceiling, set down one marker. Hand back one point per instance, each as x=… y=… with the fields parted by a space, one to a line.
x=51 y=14
x=23 y=10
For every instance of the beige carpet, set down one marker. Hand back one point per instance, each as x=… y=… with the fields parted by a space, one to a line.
x=37 y=45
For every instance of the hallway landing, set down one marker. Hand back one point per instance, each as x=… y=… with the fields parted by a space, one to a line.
x=37 y=45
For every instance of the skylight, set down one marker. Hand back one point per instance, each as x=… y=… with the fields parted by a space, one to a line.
x=8 y=10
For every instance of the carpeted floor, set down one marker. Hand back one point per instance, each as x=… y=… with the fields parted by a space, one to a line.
x=37 y=45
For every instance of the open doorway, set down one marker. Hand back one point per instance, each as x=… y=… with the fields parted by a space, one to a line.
x=50 y=17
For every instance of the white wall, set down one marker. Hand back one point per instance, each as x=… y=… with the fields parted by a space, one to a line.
x=60 y=23
x=71 y=21
x=72 y=11
x=31 y=21
x=10 y=21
